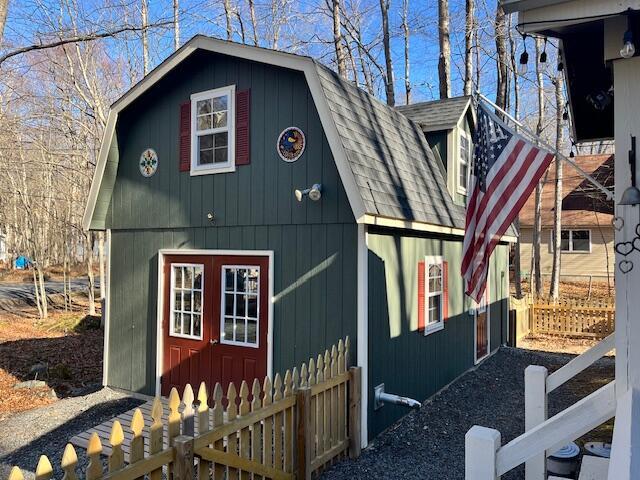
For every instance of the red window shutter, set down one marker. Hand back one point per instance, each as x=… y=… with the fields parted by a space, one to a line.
x=421 y=285
x=243 y=109
x=185 y=136
x=445 y=290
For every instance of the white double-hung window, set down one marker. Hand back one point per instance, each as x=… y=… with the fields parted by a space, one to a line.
x=464 y=163
x=213 y=131
x=434 y=294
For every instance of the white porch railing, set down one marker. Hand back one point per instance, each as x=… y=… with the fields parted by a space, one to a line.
x=486 y=459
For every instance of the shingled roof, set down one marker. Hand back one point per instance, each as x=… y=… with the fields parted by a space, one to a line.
x=436 y=114
x=395 y=170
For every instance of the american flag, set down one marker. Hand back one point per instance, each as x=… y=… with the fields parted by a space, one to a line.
x=506 y=169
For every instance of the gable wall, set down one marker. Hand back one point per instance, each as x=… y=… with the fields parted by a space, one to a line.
x=254 y=209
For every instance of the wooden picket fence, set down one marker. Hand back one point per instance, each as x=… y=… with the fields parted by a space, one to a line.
x=571 y=317
x=287 y=430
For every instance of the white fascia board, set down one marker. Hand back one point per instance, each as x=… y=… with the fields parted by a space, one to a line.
x=257 y=54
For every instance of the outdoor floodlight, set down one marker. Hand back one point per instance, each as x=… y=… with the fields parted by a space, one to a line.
x=314 y=193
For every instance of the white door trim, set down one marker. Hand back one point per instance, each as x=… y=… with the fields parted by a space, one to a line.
x=212 y=253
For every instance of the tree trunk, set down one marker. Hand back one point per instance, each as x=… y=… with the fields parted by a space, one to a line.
x=517 y=267
x=91 y=286
x=254 y=23
x=144 y=12
x=4 y=7
x=176 y=24
x=227 y=15
x=468 y=46
x=502 y=70
x=101 y=260
x=407 y=62
x=444 y=60
x=386 y=41
x=537 y=221
x=557 y=212
x=44 y=301
x=337 y=40
x=36 y=291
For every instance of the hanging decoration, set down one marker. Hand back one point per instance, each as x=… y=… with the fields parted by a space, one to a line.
x=630 y=197
x=291 y=144
x=148 y=162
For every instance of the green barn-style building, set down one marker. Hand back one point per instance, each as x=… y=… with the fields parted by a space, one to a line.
x=217 y=272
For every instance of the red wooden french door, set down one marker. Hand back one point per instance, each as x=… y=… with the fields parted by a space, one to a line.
x=215 y=320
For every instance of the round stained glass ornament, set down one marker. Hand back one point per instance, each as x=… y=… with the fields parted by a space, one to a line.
x=148 y=162
x=291 y=143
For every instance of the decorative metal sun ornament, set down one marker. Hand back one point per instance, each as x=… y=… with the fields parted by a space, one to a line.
x=291 y=144
x=148 y=162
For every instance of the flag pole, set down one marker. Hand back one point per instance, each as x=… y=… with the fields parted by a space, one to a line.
x=544 y=144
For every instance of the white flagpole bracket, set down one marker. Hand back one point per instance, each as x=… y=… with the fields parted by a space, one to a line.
x=609 y=194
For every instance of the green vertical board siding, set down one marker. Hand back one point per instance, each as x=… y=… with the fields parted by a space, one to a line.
x=254 y=208
x=405 y=360
x=261 y=193
x=308 y=316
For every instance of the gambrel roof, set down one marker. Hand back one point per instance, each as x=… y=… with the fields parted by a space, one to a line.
x=387 y=168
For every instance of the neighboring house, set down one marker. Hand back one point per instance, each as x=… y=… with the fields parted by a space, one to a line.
x=587 y=233
x=195 y=186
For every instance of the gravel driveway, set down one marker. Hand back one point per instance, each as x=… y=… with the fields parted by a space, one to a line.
x=27 y=435
x=429 y=443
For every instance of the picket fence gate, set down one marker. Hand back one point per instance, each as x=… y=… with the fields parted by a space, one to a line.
x=573 y=317
x=285 y=430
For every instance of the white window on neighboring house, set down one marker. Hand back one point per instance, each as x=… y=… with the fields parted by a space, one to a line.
x=464 y=162
x=574 y=241
x=187 y=287
x=213 y=131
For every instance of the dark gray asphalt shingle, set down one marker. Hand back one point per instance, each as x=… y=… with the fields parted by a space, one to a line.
x=395 y=170
x=436 y=114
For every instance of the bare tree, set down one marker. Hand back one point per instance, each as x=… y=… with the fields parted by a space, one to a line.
x=502 y=59
x=228 y=14
x=4 y=7
x=254 y=23
x=407 y=61
x=176 y=24
x=444 y=60
x=557 y=208
x=338 y=40
x=536 y=280
x=386 y=42
x=468 y=46
x=144 y=13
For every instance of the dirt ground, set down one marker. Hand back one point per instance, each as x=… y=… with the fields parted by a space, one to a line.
x=429 y=443
x=67 y=347
x=575 y=289
x=54 y=272
x=556 y=343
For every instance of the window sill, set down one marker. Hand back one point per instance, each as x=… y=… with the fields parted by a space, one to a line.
x=212 y=171
x=433 y=328
x=461 y=191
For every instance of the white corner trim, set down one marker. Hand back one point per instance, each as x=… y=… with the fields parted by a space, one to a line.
x=107 y=317
x=257 y=54
x=363 y=327
x=191 y=251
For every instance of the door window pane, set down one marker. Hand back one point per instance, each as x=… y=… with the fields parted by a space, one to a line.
x=240 y=304
x=187 y=282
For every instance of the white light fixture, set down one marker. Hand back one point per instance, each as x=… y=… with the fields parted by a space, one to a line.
x=628 y=49
x=314 y=193
x=524 y=58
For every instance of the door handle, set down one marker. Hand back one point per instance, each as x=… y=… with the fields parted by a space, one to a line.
x=213 y=341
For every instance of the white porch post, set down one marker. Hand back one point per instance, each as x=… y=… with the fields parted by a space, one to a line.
x=535 y=413
x=480 y=447
x=627 y=123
